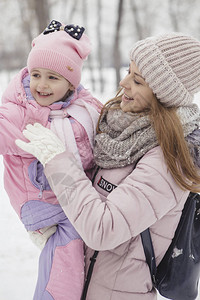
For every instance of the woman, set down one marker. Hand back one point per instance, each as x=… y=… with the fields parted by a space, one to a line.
x=147 y=150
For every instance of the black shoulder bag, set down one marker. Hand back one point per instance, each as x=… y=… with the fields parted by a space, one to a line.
x=177 y=275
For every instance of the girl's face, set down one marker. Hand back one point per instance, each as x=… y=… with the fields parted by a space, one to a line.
x=137 y=94
x=48 y=86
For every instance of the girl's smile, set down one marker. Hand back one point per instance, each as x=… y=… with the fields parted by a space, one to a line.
x=48 y=86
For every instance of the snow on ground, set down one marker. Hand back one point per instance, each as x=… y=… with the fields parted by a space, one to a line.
x=18 y=256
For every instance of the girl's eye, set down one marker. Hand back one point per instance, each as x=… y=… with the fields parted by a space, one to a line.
x=128 y=71
x=52 y=77
x=35 y=75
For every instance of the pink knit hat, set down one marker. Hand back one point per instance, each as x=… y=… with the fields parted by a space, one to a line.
x=170 y=64
x=61 y=49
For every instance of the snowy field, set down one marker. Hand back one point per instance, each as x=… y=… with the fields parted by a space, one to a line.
x=18 y=256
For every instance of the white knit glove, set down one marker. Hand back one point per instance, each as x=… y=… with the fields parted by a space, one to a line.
x=41 y=236
x=44 y=144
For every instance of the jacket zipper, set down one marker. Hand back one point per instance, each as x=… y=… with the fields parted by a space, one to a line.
x=41 y=191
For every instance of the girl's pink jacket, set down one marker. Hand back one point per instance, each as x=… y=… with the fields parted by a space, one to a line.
x=22 y=182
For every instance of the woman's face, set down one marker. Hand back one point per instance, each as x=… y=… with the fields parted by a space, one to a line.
x=137 y=94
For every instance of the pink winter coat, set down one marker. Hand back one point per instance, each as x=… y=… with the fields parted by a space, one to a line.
x=23 y=173
x=111 y=216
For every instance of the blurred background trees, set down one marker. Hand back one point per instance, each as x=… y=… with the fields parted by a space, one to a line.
x=113 y=26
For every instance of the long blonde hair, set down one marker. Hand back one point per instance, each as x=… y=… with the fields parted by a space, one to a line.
x=169 y=132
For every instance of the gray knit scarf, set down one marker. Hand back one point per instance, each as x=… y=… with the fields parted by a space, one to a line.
x=126 y=137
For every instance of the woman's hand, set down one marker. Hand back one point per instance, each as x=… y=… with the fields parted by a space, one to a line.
x=44 y=144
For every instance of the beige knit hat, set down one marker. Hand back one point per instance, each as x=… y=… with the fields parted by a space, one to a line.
x=170 y=64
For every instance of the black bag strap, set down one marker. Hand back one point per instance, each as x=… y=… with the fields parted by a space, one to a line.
x=89 y=275
x=149 y=253
x=92 y=259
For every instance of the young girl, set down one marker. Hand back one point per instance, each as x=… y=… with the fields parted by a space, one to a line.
x=148 y=154
x=48 y=91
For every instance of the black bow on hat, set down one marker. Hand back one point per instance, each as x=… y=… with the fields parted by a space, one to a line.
x=73 y=30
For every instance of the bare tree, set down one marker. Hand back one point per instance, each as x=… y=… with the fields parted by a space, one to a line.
x=68 y=9
x=181 y=12
x=41 y=9
x=25 y=22
x=174 y=13
x=141 y=13
x=116 y=46
x=99 y=48
x=89 y=60
x=38 y=12
x=138 y=24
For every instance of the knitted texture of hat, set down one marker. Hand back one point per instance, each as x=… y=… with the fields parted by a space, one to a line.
x=170 y=64
x=61 y=53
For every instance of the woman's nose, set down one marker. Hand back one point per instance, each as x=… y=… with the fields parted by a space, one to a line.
x=124 y=82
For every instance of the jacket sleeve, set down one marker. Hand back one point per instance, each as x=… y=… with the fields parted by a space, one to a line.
x=145 y=196
x=11 y=126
